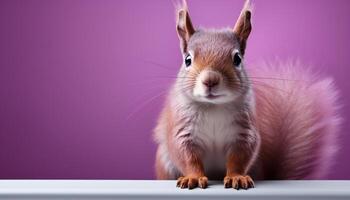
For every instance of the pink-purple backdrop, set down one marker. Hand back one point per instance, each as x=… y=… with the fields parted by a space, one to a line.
x=81 y=82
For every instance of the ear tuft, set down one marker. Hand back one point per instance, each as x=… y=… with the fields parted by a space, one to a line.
x=184 y=25
x=243 y=25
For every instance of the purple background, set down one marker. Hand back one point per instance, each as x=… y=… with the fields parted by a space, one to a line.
x=82 y=82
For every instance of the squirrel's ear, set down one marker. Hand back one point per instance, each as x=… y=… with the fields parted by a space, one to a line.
x=184 y=26
x=243 y=26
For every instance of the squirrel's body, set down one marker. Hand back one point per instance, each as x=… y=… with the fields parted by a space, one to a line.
x=211 y=129
x=275 y=122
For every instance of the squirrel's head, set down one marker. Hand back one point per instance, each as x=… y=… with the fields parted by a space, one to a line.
x=212 y=69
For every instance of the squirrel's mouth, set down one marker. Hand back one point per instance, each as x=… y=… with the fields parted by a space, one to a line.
x=213 y=96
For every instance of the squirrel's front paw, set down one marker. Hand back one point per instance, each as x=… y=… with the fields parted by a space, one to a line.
x=191 y=182
x=238 y=182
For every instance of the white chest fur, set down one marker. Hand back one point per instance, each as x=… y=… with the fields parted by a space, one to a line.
x=214 y=129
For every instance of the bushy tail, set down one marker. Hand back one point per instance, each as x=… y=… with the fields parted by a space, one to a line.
x=297 y=119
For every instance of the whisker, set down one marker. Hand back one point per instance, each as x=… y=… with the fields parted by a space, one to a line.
x=144 y=104
x=170 y=77
x=257 y=83
x=268 y=86
x=159 y=65
x=144 y=82
x=272 y=78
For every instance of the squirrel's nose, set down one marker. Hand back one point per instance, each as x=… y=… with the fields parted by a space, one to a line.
x=211 y=80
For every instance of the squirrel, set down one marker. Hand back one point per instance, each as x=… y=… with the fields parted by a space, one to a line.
x=218 y=122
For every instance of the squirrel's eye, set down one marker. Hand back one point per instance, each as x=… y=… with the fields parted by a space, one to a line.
x=237 y=60
x=188 y=60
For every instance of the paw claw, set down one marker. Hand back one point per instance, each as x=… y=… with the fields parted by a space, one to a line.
x=227 y=182
x=203 y=182
x=179 y=180
x=191 y=182
x=238 y=182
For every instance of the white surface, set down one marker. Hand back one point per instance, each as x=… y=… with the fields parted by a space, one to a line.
x=125 y=189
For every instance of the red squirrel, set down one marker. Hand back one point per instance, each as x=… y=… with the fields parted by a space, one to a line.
x=219 y=124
